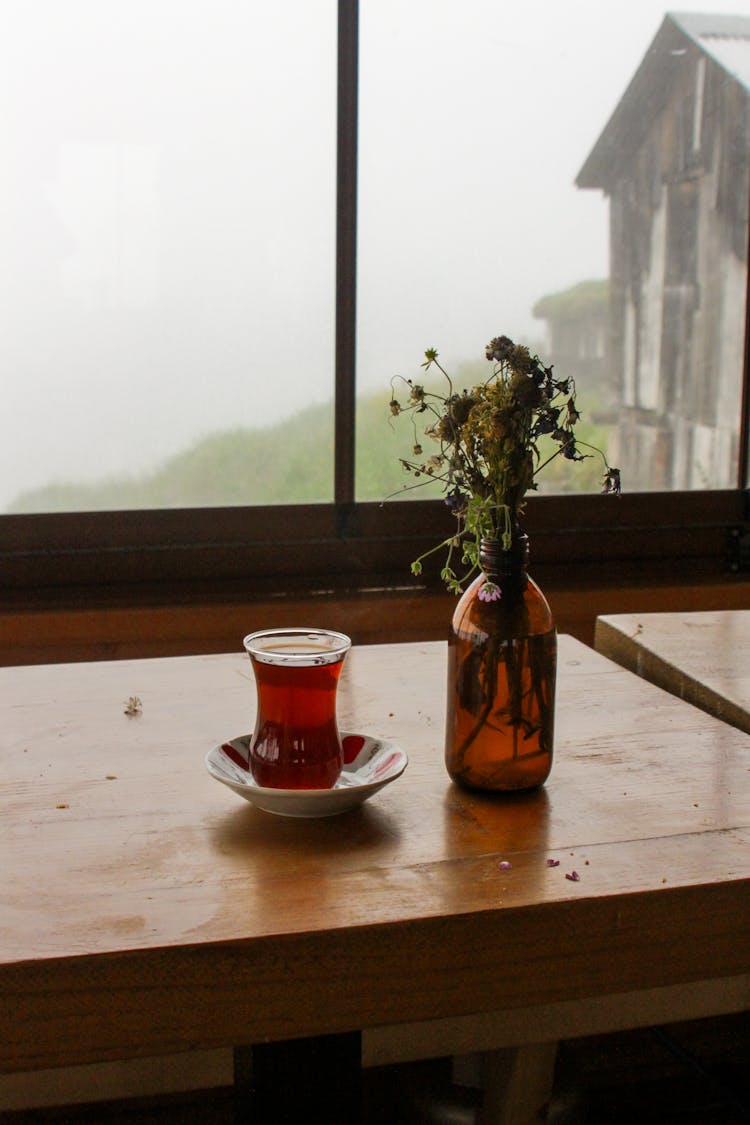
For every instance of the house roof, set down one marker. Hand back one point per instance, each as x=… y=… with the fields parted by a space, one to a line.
x=724 y=39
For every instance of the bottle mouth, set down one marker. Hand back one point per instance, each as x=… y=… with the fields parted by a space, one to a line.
x=495 y=560
x=299 y=648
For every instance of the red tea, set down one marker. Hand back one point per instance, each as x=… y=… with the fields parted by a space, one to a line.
x=296 y=743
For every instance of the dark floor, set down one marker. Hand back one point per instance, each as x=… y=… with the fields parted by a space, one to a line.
x=687 y=1074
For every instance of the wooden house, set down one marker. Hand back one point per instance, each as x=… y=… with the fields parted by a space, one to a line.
x=673 y=160
x=576 y=323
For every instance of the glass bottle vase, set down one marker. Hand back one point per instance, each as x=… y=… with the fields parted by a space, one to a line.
x=502 y=660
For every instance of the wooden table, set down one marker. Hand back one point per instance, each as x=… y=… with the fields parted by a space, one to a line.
x=147 y=910
x=702 y=657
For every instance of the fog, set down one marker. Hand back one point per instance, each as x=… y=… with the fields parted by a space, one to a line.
x=167 y=204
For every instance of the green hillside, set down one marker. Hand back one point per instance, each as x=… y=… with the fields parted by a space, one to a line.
x=288 y=463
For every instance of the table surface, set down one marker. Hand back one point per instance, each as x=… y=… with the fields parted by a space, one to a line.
x=702 y=657
x=147 y=909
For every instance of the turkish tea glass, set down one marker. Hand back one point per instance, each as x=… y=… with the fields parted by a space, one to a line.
x=296 y=743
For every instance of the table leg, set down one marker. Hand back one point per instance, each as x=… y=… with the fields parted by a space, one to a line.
x=517 y=1084
x=313 y=1079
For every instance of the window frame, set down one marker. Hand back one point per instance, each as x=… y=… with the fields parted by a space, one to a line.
x=123 y=557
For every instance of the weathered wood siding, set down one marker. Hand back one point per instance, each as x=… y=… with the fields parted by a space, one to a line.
x=678 y=274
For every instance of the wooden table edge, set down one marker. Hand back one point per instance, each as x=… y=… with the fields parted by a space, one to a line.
x=221 y=995
x=636 y=657
x=392 y=1044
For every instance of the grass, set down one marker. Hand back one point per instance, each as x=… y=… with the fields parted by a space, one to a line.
x=287 y=463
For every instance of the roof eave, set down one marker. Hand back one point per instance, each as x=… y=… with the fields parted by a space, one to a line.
x=645 y=94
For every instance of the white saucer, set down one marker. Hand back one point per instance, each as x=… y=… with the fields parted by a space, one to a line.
x=369 y=764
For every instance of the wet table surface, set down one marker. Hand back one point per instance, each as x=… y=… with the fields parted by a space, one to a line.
x=147 y=909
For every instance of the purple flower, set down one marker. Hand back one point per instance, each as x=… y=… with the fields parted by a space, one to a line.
x=456 y=501
x=489 y=592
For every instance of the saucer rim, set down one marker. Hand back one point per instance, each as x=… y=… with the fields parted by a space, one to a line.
x=354 y=788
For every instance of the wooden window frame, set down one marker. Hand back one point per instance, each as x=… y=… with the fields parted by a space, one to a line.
x=135 y=557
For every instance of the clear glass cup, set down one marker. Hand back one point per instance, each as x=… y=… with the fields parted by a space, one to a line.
x=296 y=743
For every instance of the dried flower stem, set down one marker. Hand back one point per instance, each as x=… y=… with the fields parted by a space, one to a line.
x=487 y=438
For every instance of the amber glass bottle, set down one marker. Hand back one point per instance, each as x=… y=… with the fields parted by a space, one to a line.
x=502 y=659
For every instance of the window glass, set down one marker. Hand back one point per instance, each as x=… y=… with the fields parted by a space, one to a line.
x=573 y=175
x=167 y=218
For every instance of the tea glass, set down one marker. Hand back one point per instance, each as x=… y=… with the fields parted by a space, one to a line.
x=296 y=743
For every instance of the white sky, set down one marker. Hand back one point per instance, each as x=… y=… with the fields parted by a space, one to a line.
x=166 y=204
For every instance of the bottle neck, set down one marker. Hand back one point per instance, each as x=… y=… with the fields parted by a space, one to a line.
x=505 y=567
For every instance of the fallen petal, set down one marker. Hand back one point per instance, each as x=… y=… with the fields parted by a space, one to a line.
x=573 y=876
x=505 y=865
x=553 y=863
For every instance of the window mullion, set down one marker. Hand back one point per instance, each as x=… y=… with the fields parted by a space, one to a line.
x=346 y=249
